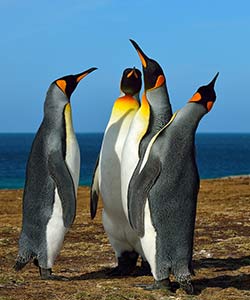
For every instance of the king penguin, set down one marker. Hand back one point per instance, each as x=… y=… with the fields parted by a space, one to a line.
x=154 y=113
x=52 y=175
x=162 y=194
x=107 y=176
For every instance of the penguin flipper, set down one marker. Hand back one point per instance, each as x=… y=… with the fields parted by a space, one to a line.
x=60 y=173
x=94 y=191
x=138 y=191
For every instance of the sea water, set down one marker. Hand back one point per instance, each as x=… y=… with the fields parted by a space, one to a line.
x=218 y=155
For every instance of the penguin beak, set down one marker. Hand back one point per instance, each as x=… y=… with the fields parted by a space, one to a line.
x=133 y=72
x=142 y=55
x=212 y=82
x=68 y=83
x=80 y=76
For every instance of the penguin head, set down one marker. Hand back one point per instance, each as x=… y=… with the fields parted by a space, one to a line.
x=131 y=81
x=152 y=71
x=205 y=95
x=67 y=84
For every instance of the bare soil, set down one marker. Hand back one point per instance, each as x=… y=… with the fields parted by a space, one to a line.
x=221 y=252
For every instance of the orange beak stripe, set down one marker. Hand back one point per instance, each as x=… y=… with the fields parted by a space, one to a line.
x=209 y=105
x=143 y=61
x=81 y=77
x=196 y=97
x=62 y=84
x=136 y=75
x=160 y=80
x=131 y=73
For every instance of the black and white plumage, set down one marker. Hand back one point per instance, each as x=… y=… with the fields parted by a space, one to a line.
x=52 y=177
x=162 y=193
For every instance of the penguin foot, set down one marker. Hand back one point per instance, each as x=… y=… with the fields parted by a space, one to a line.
x=35 y=262
x=186 y=285
x=164 y=284
x=121 y=271
x=19 y=265
x=46 y=274
x=126 y=264
x=145 y=269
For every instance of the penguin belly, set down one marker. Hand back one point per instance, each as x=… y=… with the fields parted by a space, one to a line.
x=55 y=231
x=72 y=157
x=148 y=241
x=121 y=235
x=73 y=160
x=55 y=228
x=130 y=151
x=130 y=158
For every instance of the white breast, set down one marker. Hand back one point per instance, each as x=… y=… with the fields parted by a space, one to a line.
x=110 y=163
x=55 y=231
x=130 y=156
x=72 y=148
x=148 y=241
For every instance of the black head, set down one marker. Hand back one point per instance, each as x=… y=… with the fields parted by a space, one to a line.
x=131 y=81
x=205 y=95
x=68 y=83
x=152 y=72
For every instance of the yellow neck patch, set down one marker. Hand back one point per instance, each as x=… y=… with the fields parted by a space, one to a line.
x=145 y=107
x=143 y=115
x=125 y=103
x=68 y=120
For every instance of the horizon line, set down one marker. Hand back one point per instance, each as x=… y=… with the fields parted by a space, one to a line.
x=102 y=132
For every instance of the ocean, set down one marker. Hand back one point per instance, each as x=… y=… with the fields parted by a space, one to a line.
x=218 y=155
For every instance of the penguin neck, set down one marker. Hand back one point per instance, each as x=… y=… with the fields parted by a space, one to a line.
x=135 y=96
x=123 y=106
x=54 y=106
x=160 y=108
x=190 y=115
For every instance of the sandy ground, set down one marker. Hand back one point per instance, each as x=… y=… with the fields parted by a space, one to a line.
x=221 y=252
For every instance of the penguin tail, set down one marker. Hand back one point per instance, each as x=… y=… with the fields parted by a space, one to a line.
x=35 y=262
x=19 y=265
x=93 y=204
x=21 y=262
x=94 y=190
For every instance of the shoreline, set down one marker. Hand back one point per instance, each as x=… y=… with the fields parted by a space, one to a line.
x=243 y=176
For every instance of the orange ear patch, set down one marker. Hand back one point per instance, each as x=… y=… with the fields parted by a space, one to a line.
x=196 y=97
x=62 y=84
x=210 y=105
x=160 y=80
x=81 y=77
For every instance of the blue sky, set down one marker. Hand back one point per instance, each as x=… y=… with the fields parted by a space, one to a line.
x=192 y=40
